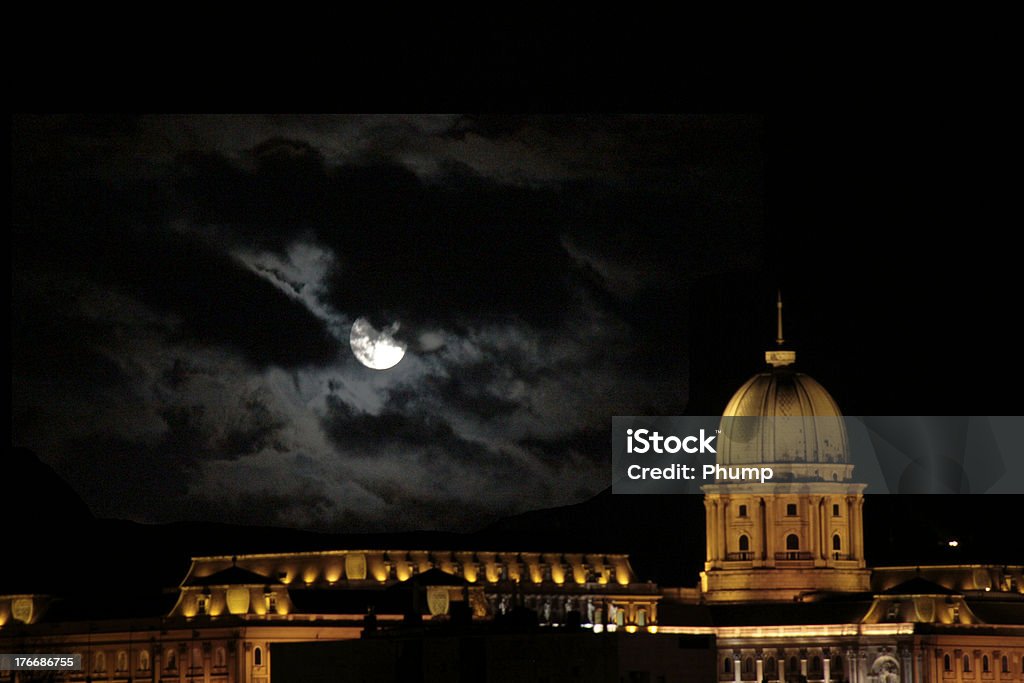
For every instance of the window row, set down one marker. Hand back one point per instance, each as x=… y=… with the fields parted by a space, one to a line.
x=815 y=665
x=99 y=660
x=790 y=510
x=947 y=664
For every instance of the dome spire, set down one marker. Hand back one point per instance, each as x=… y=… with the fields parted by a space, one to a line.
x=778 y=337
x=777 y=357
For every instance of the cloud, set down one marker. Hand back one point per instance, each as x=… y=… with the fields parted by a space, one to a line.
x=184 y=289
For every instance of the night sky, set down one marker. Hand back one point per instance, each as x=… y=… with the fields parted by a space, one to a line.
x=183 y=289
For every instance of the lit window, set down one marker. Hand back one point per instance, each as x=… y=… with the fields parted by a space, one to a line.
x=743 y=510
x=201 y=606
x=100 y=662
x=122 y=661
x=791 y=510
x=144 y=661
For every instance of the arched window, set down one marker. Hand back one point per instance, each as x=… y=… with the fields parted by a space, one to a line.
x=1006 y=664
x=220 y=658
x=837 y=663
x=257 y=656
x=984 y=664
x=793 y=664
x=744 y=543
x=967 y=662
x=172 y=660
x=122 y=661
x=947 y=665
x=837 y=543
x=816 y=663
x=100 y=662
x=748 y=665
x=197 y=658
x=727 y=665
x=792 y=542
x=769 y=665
x=144 y=661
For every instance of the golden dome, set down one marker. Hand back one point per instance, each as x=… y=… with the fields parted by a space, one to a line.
x=805 y=428
x=804 y=431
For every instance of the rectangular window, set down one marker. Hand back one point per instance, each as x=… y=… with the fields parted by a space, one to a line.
x=835 y=509
x=743 y=510
x=791 y=510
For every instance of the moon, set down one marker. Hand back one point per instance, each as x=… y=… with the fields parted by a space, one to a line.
x=377 y=350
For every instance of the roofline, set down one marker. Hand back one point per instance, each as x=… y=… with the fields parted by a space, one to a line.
x=335 y=553
x=951 y=566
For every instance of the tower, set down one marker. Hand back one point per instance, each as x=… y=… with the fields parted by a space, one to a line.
x=800 y=533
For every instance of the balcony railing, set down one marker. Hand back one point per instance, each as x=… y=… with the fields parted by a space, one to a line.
x=742 y=555
x=793 y=555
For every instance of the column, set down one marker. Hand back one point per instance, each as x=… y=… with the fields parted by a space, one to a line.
x=862 y=666
x=826 y=523
x=812 y=519
x=755 y=533
x=759 y=667
x=736 y=666
x=781 y=665
x=851 y=510
x=826 y=546
x=709 y=514
x=722 y=526
x=803 y=663
x=769 y=530
x=826 y=665
x=849 y=667
x=859 y=522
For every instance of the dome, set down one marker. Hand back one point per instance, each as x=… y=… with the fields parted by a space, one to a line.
x=805 y=434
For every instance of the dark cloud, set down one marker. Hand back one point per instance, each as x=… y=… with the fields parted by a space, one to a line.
x=183 y=289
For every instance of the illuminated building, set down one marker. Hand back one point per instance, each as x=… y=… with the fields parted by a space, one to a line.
x=229 y=611
x=785 y=595
x=785 y=589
